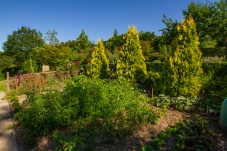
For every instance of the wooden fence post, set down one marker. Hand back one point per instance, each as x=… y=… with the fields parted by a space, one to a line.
x=7 y=80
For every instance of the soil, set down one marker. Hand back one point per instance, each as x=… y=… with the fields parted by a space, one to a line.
x=140 y=137
x=144 y=134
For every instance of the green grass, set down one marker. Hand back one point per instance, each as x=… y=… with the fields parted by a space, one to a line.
x=3 y=85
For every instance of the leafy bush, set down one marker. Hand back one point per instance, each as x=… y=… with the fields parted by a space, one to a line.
x=86 y=108
x=29 y=66
x=100 y=98
x=12 y=97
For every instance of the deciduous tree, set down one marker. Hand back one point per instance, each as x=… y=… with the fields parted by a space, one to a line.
x=21 y=43
x=211 y=22
x=53 y=55
x=115 y=42
x=51 y=37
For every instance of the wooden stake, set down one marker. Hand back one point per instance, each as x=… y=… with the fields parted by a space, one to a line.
x=7 y=80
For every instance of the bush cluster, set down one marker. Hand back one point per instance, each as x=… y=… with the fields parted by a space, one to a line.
x=86 y=108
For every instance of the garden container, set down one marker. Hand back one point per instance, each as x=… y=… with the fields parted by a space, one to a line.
x=223 y=115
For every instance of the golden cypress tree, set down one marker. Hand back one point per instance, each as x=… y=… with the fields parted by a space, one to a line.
x=183 y=68
x=131 y=65
x=99 y=65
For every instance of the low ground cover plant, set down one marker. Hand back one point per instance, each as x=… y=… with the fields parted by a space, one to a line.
x=191 y=134
x=179 y=103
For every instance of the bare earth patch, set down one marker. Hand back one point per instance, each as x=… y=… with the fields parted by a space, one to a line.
x=144 y=134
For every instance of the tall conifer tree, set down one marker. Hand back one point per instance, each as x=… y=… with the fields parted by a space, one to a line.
x=131 y=64
x=99 y=66
x=183 y=68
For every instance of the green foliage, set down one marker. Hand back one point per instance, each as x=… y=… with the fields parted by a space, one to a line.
x=183 y=67
x=114 y=43
x=155 y=66
x=131 y=65
x=146 y=49
x=82 y=43
x=29 y=66
x=203 y=14
x=68 y=141
x=3 y=86
x=214 y=85
x=217 y=69
x=148 y=43
x=2 y=75
x=99 y=65
x=147 y=36
x=53 y=55
x=71 y=44
x=210 y=20
x=212 y=79
x=162 y=101
x=87 y=108
x=106 y=99
x=52 y=37
x=193 y=134
x=180 y=103
x=12 y=97
x=20 y=44
x=216 y=90
x=6 y=61
x=170 y=32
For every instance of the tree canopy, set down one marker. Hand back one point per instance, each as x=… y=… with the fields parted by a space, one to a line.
x=21 y=43
x=211 y=20
x=82 y=43
x=51 y=37
x=53 y=55
x=115 y=42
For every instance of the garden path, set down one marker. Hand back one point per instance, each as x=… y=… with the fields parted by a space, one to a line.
x=7 y=136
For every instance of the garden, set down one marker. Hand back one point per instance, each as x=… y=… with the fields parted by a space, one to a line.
x=100 y=108
x=135 y=91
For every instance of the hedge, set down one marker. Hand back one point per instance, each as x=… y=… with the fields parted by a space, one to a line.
x=155 y=66
x=218 y=68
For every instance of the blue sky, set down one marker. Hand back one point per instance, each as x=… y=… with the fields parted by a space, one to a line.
x=99 y=18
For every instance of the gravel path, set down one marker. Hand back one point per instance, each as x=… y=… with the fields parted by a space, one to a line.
x=7 y=136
